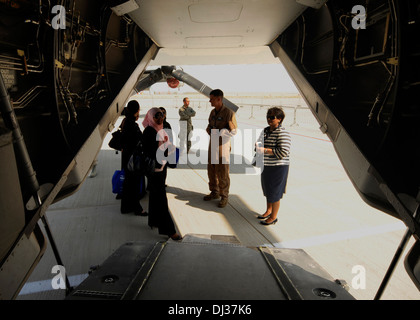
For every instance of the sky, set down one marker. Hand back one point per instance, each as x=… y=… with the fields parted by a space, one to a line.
x=238 y=78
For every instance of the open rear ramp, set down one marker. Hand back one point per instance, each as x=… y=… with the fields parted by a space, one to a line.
x=209 y=270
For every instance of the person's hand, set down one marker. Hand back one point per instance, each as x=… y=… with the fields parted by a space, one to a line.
x=259 y=149
x=171 y=148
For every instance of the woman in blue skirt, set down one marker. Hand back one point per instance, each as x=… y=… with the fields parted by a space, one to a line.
x=274 y=143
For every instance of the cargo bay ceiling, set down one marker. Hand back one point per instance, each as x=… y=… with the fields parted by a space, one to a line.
x=213 y=32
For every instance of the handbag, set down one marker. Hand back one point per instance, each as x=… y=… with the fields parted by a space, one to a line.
x=116 y=140
x=141 y=163
x=117 y=181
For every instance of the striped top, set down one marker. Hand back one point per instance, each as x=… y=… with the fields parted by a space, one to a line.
x=280 y=142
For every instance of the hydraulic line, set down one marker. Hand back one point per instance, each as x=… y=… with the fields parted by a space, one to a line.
x=195 y=84
x=26 y=171
x=395 y=259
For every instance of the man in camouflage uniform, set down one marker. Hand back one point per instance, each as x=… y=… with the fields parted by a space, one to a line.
x=185 y=124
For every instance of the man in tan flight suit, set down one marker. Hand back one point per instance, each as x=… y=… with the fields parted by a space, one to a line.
x=222 y=126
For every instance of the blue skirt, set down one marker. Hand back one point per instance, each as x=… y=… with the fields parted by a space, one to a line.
x=273 y=182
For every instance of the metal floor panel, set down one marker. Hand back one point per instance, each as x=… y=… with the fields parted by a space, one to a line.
x=210 y=270
x=189 y=271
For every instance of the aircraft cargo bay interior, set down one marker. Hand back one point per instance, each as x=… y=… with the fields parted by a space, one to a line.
x=348 y=225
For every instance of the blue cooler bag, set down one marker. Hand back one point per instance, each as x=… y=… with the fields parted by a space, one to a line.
x=117 y=181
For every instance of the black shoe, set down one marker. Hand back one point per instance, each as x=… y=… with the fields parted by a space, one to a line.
x=263 y=218
x=265 y=223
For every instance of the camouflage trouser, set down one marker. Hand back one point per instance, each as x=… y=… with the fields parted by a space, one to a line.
x=184 y=141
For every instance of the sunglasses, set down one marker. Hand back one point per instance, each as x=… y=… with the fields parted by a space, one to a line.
x=271 y=117
x=158 y=115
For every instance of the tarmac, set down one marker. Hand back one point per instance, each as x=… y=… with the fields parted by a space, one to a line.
x=320 y=213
